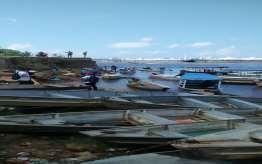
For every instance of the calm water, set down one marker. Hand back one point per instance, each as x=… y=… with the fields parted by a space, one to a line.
x=240 y=90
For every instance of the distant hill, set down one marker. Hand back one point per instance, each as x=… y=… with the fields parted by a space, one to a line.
x=13 y=53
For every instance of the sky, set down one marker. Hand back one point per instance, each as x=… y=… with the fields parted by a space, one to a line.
x=211 y=29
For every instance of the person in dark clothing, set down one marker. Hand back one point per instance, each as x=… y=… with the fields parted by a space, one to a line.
x=113 y=68
x=91 y=81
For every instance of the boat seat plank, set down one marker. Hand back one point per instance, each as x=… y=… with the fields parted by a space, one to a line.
x=218 y=115
x=244 y=104
x=199 y=103
x=147 y=118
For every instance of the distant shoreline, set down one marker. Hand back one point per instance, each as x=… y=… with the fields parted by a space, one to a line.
x=177 y=61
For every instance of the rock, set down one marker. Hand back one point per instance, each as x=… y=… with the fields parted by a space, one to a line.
x=23 y=154
x=16 y=161
x=84 y=156
x=38 y=161
x=111 y=150
x=75 y=147
x=25 y=144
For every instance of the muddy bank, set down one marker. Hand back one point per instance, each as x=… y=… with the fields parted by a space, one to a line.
x=44 y=63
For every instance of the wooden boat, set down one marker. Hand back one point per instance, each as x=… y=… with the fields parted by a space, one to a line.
x=156 y=134
x=90 y=120
x=163 y=77
x=138 y=84
x=149 y=69
x=238 y=80
x=243 y=142
x=199 y=81
x=127 y=71
x=108 y=76
x=104 y=100
x=221 y=70
x=242 y=77
x=259 y=83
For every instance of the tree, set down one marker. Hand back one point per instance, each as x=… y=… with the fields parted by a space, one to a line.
x=85 y=54
x=69 y=54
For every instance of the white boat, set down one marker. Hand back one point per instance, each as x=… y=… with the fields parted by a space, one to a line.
x=108 y=76
x=164 y=77
x=138 y=84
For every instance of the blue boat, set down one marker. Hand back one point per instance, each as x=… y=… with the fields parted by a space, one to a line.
x=199 y=81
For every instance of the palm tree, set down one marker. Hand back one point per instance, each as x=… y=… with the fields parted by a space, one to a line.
x=85 y=54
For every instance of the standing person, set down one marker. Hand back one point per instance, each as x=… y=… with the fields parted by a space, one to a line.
x=85 y=54
x=91 y=80
x=113 y=68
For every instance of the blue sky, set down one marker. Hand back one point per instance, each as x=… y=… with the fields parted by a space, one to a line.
x=135 y=28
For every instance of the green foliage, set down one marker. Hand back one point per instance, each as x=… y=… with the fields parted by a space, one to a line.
x=13 y=53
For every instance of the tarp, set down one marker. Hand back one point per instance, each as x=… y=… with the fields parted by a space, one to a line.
x=199 y=76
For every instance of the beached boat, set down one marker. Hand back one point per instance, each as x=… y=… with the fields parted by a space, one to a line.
x=108 y=76
x=156 y=134
x=199 y=82
x=164 y=77
x=138 y=84
x=243 y=142
x=68 y=99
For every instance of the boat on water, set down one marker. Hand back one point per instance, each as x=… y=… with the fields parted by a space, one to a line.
x=259 y=83
x=214 y=70
x=242 y=77
x=149 y=69
x=164 y=77
x=113 y=76
x=144 y=85
x=127 y=71
x=200 y=82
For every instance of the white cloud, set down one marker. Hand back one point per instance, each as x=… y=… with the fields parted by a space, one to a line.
x=174 y=45
x=143 y=42
x=201 y=44
x=8 y=20
x=20 y=46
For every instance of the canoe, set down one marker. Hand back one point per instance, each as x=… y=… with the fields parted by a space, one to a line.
x=107 y=100
x=147 y=86
x=156 y=134
x=108 y=76
x=163 y=77
x=243 y=142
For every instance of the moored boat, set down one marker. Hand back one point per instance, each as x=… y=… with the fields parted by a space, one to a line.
x=127 y=71
x=108 y=76
x=144 y=85
x=199 y=82
x=163 y=77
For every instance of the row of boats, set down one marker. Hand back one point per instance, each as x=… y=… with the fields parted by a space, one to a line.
x=221 y=127
x=196 y=79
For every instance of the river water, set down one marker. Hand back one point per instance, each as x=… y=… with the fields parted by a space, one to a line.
x=173 y=68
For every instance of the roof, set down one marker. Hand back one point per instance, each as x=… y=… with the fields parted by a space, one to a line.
x=199 y=76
